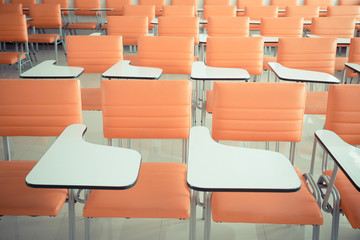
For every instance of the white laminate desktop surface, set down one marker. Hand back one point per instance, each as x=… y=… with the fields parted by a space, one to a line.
x=71 y=162
x=48 y=69
x=216 y=167
x=353 y=67
x=290 y=74
x=341 y=41
x=199 y=71
x=155 y=21
x=345 y=155
x=123 y=69
x=267 y=39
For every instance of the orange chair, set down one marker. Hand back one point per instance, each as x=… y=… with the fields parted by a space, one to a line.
x=218 y=10
x=307 y=12
x=264 y=112
x=33 y=108
x=223 y=26
x=217 y=2
x=258 y=12
x=281 y=27
x=354 y=57
x=141 y=10
x=11 y=8
x=174 y=55
x=342 y=117
x=118 y=5
x=84 y=6
x=186 y=2
x=314 y=54
x=233 y=52
x=63 y=4
x=345 y=11
x=163 y=111
x=129 y=27
x=241 y=4
x=178 y=11
x=282 y=4
x=157 y=3
x=95 y=54
x=46 y=16
x=13 y=28
x=349 y=2
x=25 y=4
x=323 y=4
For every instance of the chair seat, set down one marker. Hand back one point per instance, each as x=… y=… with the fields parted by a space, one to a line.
x=160 y=192
x=43 y=38
x=10 y=57
x=349 y=198
x=19 y=199
x=275 y=208
x=104 y=26
x=316 y=102
x=91 y=99
x=82 y=25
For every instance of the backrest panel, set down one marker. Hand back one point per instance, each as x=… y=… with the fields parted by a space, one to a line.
x=283 y=3
x=354 y=52
x=11 y=8
x=129 y=27
x=242 y=3
x=179 y=26
x=217 y=2
x=25 y=3
x=314 y=54
x=236 y=52
x=215 y=10
x=140 y=10
x=85 y=6
x=333 y=26
x=187 y=3
x=118 y=5
x=157 y=3
x=13 y=28
x=145 y=109
x=344 y=11
x=307 y=12
x=258 y=12
x=95 y=54
x=223 y=26
x=258 y=111
x=281 y=27
x=174 y=55
x=178 y=10
x=38 y=107
x=343 y=112
x=45 y=15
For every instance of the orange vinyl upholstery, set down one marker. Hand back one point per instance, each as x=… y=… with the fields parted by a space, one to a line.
x=323 y=4
x=179 y=26
x=118 y=5
x=282 y=4
x=129 y=27
x=258 y=12
x=146 y=109
x=314 y=54
x=141 y=10
x=25 y=3
x=45 y=15
x=215 y=10
x=349 y=2
x=282 y=27
x=240 y=4
x=34 y=108
x=333 y=27
x=354 y=54
x=236 y=114
x=187 y=3
x=316 y=102
x=174 y=55
x=85 y=6
x=223 y=26
x=307 y=12
x=216 y=2
x=344 y=11
x=178 y=10
x=11 y=8
x=157 y=3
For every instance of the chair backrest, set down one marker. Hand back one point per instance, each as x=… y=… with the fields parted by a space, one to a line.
x=333 y=26
x=85 y=6
x=63 y=3
x=34 y=107
x=354 y=51
x=258 y=111
x=314 y=54
x=186 y=2
x=95 y=54
x=118 y=5
x=217 y=2
x=140 y=10
x=223 y=26
x=222 y=10
x=344 y=11
x=13 y=28
x=343 y=112
x=323 y=4
x=11 y=8
x=178 y=10
x=258 y=12
x=143 y=109
x=25 y=3
x=241 y=4
x=174 y=55
x=129 y=27
x=282 y=4
x=282 y=27
x=45 y=15
x=307 y=12
x=236 y=52
x=157 y=3
x=349 y=2
x=179 y=26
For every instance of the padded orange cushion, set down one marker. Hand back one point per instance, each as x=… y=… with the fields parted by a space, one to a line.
x=19 y=199
x=276 y=208
x=209 y=101
x=10 y=57
x=349 y=196
x=160 y=192
x=268 y=59
x=316 y=102
x=340 y=63
x=43 y=38
x=83 y=25
x=91 y=98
